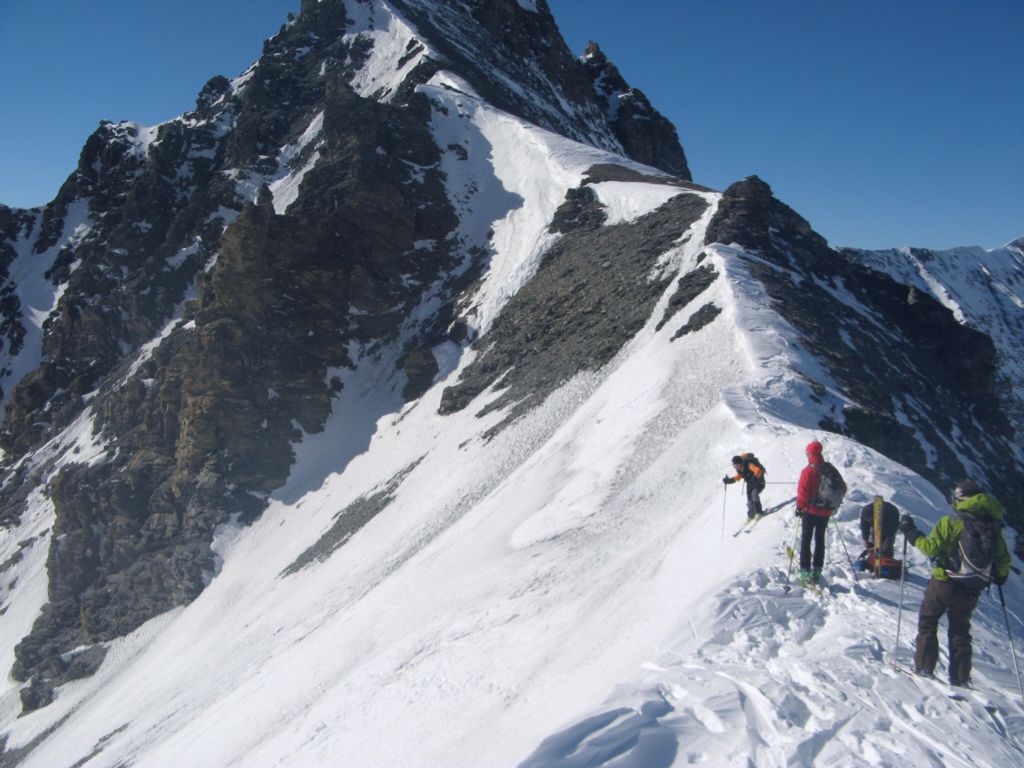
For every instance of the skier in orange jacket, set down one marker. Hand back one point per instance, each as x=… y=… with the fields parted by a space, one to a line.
x=748 y=469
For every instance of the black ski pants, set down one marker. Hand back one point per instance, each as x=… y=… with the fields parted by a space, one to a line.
x=813 y=527
x=754 y=499
x=945 y=597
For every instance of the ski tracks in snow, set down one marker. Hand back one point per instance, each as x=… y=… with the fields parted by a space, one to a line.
x=799 y=678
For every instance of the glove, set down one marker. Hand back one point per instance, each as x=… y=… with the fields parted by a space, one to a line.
x=728 y=480
x=908 y=528
x=799 y=513
x=999 y=580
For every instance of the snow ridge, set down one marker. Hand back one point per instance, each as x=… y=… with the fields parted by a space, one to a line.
x=572 y=590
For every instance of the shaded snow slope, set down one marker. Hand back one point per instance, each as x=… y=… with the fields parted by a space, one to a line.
x=983 y=289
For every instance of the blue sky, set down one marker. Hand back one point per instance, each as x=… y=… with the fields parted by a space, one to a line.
x=883 y=123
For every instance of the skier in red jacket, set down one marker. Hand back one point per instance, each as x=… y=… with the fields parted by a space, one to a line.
x=813 y=515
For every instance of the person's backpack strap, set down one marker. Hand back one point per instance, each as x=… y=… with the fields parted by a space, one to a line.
x=972 y=561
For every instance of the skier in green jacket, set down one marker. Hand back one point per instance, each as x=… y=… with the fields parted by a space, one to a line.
x=968 y=552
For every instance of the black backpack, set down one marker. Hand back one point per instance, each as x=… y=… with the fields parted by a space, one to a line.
x=831 y=487
x=750 y=458
x=973 y=561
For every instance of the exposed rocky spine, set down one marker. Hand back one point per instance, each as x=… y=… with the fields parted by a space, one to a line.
x=912 y=372
x=586 y=301
x=644 y=133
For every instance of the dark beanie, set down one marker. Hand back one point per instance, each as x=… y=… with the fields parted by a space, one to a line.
x=967 y=488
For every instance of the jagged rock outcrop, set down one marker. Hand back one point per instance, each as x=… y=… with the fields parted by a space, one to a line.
x=513 y=58
x=912 y=374
x=644 y=133
x=146 y=223
x=206 y=423
x=516 y=59
x=15 y=225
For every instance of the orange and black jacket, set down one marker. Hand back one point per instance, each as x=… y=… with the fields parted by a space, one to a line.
x=752 y=474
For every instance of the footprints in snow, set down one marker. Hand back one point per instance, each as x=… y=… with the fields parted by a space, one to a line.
x=774 y=682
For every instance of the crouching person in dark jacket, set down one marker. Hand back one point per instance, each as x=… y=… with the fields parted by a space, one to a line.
x=968 y=552
x=890 y=520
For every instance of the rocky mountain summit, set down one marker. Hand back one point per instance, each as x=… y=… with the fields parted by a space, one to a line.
x=203 y=303
x=419 y=194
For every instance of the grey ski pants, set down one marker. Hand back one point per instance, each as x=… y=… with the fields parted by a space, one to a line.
x=945 y=597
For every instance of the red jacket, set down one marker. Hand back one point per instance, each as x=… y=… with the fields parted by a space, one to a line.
x=810 y=479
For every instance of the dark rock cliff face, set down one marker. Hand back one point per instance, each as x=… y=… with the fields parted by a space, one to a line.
x=152 y=229
x=15 y=225
x=515 y=59
x=915 y=376
x=206 y=425
x=494 y=44
x=644 y=133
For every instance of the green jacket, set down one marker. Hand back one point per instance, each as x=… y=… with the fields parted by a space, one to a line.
x=941 y=543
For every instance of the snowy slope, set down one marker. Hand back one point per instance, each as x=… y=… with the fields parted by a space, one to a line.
x=571 y=594
x=507 y=179
x=571 y=590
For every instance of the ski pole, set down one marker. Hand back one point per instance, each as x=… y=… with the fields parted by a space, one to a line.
x=839 y=535
x=725 y=498
x=790 y=553
x=1009 y=634
x=899 y=613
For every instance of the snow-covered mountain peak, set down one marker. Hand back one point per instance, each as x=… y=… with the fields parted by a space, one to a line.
x=378 y=407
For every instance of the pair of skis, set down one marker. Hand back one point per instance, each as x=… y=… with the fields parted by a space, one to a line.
x=748 y=525
x=750 y=522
